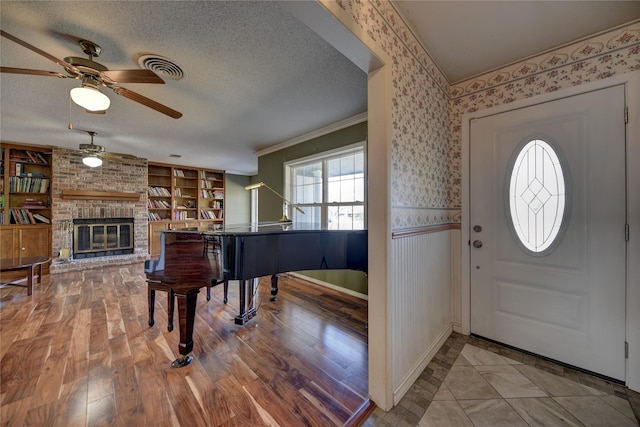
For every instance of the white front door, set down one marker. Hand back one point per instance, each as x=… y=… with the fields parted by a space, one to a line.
x=547 y=239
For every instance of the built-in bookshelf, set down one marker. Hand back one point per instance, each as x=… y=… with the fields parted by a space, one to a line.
x=185 y=194
x=211 y=196
x=25 y=185
x=179 y=193
x=159 y=200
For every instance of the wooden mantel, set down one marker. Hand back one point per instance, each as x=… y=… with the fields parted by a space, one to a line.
x=99 y=195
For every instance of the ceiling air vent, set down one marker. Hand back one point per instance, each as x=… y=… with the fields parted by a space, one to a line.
x=163 y=67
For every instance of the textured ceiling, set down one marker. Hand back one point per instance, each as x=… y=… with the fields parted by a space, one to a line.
x=256 y=75
x=466 y=38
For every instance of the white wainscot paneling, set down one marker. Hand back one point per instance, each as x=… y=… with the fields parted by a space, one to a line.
x=421 y=304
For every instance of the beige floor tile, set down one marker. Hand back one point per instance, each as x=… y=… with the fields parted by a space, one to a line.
x=492 y=413
x=479 y=356
x=461 y=361
x=620 y=405
x=509 y=382
x=445 y=414
x=593 y=411
x=543 y=412
x=555 y=385
x=444 y=393
x=465 y=382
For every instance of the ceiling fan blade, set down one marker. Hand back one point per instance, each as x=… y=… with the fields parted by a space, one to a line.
x=119 y=157
x=32 y=72
x=147 y=102
x=35 y=49
x=133 y=76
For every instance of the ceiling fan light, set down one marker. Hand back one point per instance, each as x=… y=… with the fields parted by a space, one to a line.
x=89 y=98
x=92 y=161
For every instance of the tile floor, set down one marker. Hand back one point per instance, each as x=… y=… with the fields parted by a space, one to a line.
x=472 y=382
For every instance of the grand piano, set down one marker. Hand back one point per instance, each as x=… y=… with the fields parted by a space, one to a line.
x=247 y=252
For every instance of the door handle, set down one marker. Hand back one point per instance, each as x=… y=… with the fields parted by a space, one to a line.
x=477 y=244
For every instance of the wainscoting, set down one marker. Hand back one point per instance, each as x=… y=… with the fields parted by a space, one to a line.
x=421 y=302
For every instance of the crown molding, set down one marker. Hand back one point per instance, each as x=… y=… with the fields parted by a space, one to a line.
x=354 y=120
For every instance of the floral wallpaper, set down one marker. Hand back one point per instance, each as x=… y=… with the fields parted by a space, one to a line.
x=599 y=57
x=427 y=110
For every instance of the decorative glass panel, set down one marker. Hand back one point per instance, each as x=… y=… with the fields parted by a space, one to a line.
x=537 y=196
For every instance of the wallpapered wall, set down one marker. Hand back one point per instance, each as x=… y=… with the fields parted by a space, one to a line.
x=427 y=110
x=421 y=131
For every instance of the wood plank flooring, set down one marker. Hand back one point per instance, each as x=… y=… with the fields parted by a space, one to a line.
x=79 y=352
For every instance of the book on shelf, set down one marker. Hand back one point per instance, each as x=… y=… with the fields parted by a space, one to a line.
x=158 y=191
x=19 y=184
x=153 y=216
x=25 y=216
x=41 y=218
x=28 y=156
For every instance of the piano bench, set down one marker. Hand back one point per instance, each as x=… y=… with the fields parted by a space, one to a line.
x=215 y=282
x=152 y=287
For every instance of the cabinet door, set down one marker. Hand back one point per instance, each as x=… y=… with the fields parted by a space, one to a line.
x=34 y=241
x=6 y=243
x=154 y=238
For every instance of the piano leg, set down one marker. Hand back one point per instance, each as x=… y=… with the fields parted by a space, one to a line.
x=186 y=318
x=248 y=290
x=274 y=288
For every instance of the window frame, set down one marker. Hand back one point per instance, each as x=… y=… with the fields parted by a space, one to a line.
x=324 y=157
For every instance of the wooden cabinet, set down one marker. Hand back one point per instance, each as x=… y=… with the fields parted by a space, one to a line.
x=6 y=242
x=180 y=197
x=22 y=241
x=154 y=237
x=25 y=201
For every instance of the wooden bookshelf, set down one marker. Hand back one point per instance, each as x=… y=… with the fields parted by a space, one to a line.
x=181 y=196
x=25 y=200
x=25 y=187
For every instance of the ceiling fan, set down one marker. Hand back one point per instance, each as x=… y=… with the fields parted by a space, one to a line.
x=94 y=75
x=93 y=153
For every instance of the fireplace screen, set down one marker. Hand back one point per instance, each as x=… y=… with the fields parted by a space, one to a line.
x=102 y=237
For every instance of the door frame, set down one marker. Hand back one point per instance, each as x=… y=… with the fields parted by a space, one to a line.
x=632 y=95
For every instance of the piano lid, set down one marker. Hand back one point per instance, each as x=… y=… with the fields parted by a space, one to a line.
x=259 y=228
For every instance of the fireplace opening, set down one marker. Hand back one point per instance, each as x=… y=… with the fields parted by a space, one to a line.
x=98 y=237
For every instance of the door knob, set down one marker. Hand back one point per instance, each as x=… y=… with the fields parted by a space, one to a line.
x=477 y=243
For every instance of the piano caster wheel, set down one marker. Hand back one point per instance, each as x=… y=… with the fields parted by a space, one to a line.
x=273 y=298
x=151 y=322
x=225 y=300
x=181 y=361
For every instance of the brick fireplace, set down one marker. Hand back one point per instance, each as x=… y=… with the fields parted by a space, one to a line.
x=70 y=176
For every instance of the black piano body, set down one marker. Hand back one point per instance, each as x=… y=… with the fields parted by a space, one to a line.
x=248 y=252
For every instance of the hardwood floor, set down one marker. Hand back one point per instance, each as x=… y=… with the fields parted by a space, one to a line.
x=79 y=352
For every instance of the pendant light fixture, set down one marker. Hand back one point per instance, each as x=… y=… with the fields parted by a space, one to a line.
x=88 y=96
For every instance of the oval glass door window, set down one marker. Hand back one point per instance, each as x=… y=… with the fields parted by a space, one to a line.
x=537 y=196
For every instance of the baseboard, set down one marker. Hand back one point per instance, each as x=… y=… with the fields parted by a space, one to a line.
x=413 y=375
x=457 y=327
x=330 y=286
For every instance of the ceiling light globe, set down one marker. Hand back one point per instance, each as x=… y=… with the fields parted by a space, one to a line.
x=92 y=161
x=90 y=99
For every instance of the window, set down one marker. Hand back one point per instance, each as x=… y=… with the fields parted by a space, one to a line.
x=537 y=196
x=329 y=188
